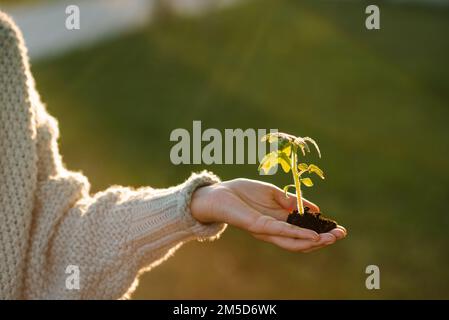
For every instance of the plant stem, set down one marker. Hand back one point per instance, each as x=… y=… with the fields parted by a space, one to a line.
x=297 y=181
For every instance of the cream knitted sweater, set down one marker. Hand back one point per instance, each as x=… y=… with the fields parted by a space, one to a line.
x=48 y=219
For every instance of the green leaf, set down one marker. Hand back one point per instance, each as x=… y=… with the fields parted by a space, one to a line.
x=314 y=169
x=286 y=189
x=269 y=161
x=302 y=147
x=284 y=160
x=306 y=146
x=303 y=167
x=287 y=149
x=308 y=139
x=307 y=182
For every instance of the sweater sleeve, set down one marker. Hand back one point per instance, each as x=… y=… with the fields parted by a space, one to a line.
x=66 y=242
x=108 y=238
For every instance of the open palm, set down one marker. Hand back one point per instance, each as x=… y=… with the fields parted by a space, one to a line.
x=261 y=209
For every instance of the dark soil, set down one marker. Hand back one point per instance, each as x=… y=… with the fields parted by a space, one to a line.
x=311 y=220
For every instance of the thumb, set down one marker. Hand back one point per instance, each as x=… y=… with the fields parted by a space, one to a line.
x=290 y=203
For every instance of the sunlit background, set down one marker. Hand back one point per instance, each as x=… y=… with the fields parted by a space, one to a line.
x=376 y=101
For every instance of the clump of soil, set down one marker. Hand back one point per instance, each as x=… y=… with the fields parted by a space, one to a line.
x=311 y=220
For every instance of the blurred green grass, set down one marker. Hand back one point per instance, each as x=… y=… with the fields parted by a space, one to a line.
x=376 y=101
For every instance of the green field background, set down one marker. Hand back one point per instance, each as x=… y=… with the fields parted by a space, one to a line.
x=376 y=102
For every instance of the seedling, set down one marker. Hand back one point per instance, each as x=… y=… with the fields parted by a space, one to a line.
x=287 y=156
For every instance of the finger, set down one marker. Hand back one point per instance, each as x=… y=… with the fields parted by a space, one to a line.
x=290 y=203
x=323 y=242
x=269 y=226
x=290 y=244
x=327 y=238
x=297 y=245
x=312 y=206
x=343 y=228
x=338 y=232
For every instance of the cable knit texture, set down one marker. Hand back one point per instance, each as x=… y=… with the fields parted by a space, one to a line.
x=48 y=219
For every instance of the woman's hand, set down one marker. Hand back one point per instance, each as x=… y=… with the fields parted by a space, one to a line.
x=261 y=209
